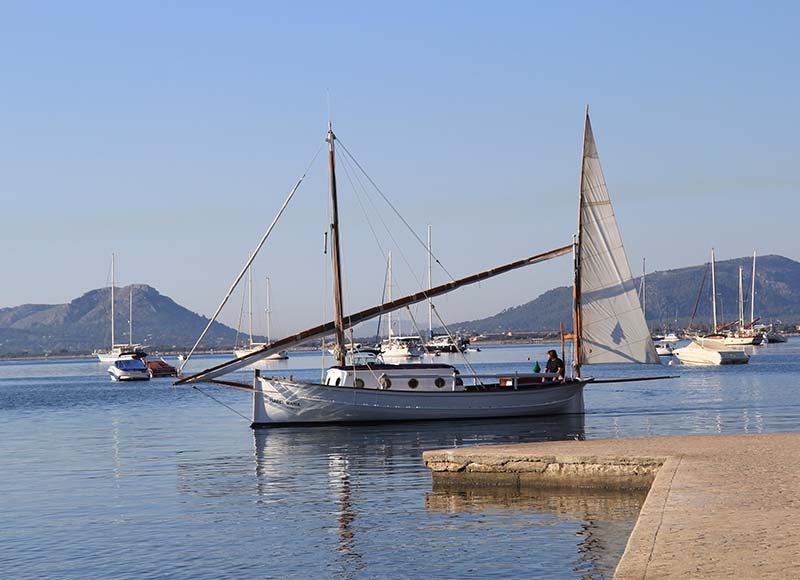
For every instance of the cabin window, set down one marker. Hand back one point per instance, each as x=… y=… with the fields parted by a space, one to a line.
x=439 y=382
x=338 y=381
x=359 y=383
x=413 y=383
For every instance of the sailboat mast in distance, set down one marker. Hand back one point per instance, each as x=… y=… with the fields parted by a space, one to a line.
x=753 y=292
x=112 y=301
x=713 y=295
x=335 y=254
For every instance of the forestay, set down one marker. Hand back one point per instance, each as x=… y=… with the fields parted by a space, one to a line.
x=612 y=325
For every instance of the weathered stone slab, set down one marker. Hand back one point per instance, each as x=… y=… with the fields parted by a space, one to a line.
x=718 y=506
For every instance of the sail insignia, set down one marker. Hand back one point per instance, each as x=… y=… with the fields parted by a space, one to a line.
x=612 y=325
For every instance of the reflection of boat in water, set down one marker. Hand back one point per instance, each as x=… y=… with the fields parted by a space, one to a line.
x=607 y=315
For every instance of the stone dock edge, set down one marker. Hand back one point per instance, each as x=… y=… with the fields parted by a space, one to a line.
x=718 y=506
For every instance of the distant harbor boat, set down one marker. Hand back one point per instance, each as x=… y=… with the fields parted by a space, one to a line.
x=120 y=351
x=132 y=369
x=256 y=346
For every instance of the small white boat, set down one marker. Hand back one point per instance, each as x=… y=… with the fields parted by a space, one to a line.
x=402 y=347
x=663 y=348
x=698 y=355
x=129 y=370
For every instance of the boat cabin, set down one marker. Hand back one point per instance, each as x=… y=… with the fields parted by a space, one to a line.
x=402 y=377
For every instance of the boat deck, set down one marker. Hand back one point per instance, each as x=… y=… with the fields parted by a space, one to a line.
x=720 y=506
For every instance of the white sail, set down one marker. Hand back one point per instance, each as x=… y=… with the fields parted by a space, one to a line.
x=612 y=325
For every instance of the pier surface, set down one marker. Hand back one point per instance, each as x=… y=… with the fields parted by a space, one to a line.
x=720 y=506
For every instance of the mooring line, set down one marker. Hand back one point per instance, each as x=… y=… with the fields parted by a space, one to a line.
x=221 y=403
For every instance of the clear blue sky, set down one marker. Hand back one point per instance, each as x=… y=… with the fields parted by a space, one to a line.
x=170 y=132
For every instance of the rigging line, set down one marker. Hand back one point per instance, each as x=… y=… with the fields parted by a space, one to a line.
x=455 y=344
x=389 y=232
x=419 y=333
x=221 y=403
x=251 y=258
x=239 y=324
x=363 y=210
x=391 y=205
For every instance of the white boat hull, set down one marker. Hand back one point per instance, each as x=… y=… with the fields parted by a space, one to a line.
x=278 y=401
x=697 y=355
x=281 y=355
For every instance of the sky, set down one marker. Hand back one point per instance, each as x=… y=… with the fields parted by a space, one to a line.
x=170 y=133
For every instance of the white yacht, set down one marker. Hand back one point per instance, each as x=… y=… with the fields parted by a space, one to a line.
x=120 y=351
x=256 y=346
x=402 y=347
x=698 y=355
x=129 y=370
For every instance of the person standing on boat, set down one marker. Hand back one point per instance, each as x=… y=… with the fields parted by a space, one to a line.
x=554 y=364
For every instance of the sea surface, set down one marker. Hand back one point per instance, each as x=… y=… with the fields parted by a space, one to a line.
x=146 y=480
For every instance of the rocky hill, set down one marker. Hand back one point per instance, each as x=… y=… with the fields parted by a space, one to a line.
x=671 y=296
x=84 y=324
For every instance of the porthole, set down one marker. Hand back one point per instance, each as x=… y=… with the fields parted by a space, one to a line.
x=386 y=382
x=413 y=383
x=439 y=382
x=359 y=383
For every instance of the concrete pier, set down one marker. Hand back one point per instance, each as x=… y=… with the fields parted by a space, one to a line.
x=725 y=506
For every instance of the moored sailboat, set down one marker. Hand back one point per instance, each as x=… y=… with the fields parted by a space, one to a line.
x=120 y=351
x=608 y=321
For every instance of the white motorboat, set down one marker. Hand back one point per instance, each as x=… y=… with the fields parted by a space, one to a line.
x=129 y=370
x=609 y=323
x=698 y=355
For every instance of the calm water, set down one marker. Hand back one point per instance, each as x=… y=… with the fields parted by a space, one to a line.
x=101 y=480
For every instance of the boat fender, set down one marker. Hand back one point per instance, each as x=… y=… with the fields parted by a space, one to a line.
x=386 y=382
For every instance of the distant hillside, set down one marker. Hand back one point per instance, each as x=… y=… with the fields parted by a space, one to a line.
x=672 y=294
x=84 y=324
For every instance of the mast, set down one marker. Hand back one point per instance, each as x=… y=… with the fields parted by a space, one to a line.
x=576 y=244
x=741 y=299
x=250 y=300
x=335 y=255
x=753 y=292
x=430 y=285
x=389 y=291
x=713 y=294
x=130 y=317
x=269 y=315
x=112 y=301
x=644 y=290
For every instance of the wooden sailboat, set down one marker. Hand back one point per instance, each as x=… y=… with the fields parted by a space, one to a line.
x=608 y=319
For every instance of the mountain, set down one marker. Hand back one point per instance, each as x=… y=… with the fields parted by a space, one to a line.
x=671 y=296
x=84 y=324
